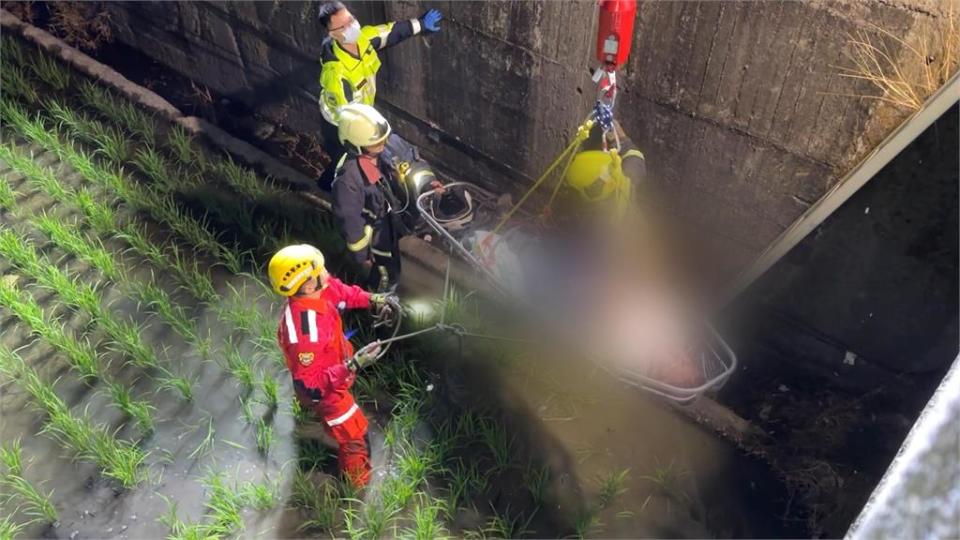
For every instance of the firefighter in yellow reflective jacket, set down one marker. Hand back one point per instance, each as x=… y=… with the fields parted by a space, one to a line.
x=350 y=61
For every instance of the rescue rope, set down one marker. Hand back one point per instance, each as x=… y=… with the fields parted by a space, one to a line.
x=455 y=329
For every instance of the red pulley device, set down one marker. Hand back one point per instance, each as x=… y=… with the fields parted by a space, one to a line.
x=615 y=32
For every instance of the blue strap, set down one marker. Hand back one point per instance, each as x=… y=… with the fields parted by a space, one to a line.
x=603 y=114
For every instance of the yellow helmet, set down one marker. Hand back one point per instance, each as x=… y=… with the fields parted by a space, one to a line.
x=589 y=174
x=293 y=265
x=361 y=125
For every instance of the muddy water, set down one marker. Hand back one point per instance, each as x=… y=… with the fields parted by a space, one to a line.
x=583 y=425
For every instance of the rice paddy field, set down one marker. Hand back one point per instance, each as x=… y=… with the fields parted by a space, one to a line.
x=144 y=395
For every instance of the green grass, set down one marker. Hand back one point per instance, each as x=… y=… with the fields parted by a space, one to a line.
x=9 y=529
x=426 y=521
x=320 y=503
x=178 y=385
x=16 y=82
x=612 y=486
x=81 y=355
x=182 y=145
x=118 y=460
x=270 y=389
x=208 y=442
x=67 y=236
x=8 y=197
x=264 y=436
x=537 y=482
x=34 y=503
x=51 y=72
x=140 y=411
x=498 y=441
x=240 y=368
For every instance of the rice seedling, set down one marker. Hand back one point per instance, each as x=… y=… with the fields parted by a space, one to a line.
x=224 y=507
x=270 y=389
x=667 y=479
x=126 y=337
x=100 y=216
x=180 y=385
x=67 y=118
x=238 y=311
x=297 y=410
x=110 y=142
x=81 y=355
x=369 y=521
x=12 y=457
x=537 y=482
x=43 y=178
x=68 y=237
x=140 y=411
x=157 y=301
x=51 y=72
x=586 y=523
x=152 y=164
x=97 y=97
x=164 y=208
x=242 y=179
x=8 y=197
x=246 y=411
x=32 y=128
x=32 y=501
x=10 y=529
x=264 y=436
x=181 y=143
x=193 y=279
x=505 y=525
x=117 y=459
x=17 y=83
x=464 y=482
x=180 y=530
x=12 y=52
x=208 y=442
x=260 y=496
x=134 y=233
x=240 y=368
x=426 y=523
x=140 y=122
x=497 y=440
x=414 y=465
x=612 y=486
x=321 y=504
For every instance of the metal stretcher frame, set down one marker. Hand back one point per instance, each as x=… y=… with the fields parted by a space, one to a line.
x=715 y=346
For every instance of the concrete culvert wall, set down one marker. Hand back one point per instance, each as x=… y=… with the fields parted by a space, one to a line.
x=739 y=106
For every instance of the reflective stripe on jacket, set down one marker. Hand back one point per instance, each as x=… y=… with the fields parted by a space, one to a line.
x=345 y=78
x=311 y=338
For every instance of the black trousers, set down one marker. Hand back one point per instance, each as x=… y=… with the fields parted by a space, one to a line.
x=333 y=148
x=385 y=251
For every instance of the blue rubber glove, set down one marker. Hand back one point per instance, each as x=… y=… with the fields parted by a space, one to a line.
x=431 y=21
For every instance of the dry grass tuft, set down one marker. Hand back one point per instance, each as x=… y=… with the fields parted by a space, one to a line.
x=81 y=24
x=907 y=80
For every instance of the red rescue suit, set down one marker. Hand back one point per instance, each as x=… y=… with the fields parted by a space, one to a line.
x=311 y=338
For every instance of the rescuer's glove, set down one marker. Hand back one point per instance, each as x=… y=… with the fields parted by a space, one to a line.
x=364 y=357
x=385 y=304
x=431 y=21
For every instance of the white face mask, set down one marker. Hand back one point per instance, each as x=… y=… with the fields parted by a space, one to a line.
x=351 y=33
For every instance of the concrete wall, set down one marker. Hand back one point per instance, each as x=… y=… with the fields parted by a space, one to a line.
x=734 y=103
x=877 y=280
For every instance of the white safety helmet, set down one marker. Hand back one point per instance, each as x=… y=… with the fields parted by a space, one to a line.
x=361 y=126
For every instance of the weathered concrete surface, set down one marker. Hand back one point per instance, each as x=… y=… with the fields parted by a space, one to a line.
x=736 y=104
x=872 y=294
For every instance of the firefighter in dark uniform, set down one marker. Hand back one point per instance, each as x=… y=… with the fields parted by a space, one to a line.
x=365 y=199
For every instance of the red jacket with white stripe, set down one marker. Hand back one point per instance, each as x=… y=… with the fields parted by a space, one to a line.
x=312 y=340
